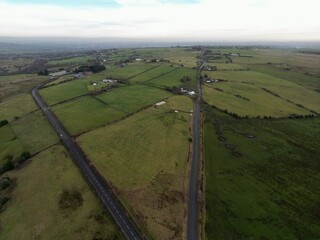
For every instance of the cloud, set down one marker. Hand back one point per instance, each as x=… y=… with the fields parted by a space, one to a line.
x=162 y=19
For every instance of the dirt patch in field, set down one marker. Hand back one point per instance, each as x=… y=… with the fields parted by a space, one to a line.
x=159 y=207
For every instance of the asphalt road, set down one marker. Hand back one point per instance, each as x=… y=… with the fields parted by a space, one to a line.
x=92 y=177
x=193 y=206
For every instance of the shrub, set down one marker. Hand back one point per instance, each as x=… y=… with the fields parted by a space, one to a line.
x=23 y=157
x=8 y=166
x=3 y=122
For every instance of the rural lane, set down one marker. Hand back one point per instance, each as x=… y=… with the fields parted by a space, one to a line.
x=94 y=179
x=193 y=205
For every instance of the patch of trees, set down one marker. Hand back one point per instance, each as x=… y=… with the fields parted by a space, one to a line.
x=174 y=90
x=93 y=68
x=296 y=116
x=43 y=73
x=11 y=163
x=185 y=79
x=3 y=122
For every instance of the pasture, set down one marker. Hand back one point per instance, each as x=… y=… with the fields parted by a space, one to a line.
x=293 y=98
x=86 y=113
x=157 y=71
x=34 y=211
x=17 y=107
x=173 y=78
x=146 y=161
x=262 y=178
x=64 y=91
x=34 y=132
x=128 y=71
x=72 y=60
x=133 y=97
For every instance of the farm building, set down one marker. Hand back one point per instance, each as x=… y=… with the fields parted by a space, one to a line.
x=160 y=103
x=58 y=74
x=109 y=81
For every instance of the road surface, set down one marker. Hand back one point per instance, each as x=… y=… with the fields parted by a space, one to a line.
x=193 y=206
x=91 y=175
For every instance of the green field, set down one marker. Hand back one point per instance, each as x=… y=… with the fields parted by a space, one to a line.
x=34 y=211
x=9 y=144
x=264 y=91
x=72 y=60
x=61 y=92
x=173 y=78
x=132 y=98
x=153 y=73
x=128 y=71
x=85 y=114
x=17 y=107
x=34 y=132
x=227 y=66
x=299 y=78
x=146 y=160
x=270 y=191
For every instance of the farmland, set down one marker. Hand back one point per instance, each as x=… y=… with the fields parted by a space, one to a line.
x=142 y=166
x=258 y=92
x=262 y=178
x=35 y=210
x=132 y=98
x=61 y=92
x=260 y=116
x=261 y=164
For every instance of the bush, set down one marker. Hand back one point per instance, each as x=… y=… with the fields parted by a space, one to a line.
x=3 y=201
x=8 y=166
x=4 y=183
x=24 y=156
x=3 y=122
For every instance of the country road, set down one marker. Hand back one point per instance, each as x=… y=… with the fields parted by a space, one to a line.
x=193 y=206
x=94 y=179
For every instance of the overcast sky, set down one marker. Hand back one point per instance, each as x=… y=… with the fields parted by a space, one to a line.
x=229 y=20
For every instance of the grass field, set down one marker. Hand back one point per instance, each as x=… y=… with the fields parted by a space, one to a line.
x=61 y=92
x=72 y=60
x=257 y=102
x=17 y=107
x=86 y=113
x=249 y=84
x=153 y=73
x=132 y=98
x=299 y=78
x=9 y=144
x=129 y=70
x=227 y=66
x=28 y=130
x=173 y=78
x=262 y=178
x=34 y=132
x=34 y=211
x=146 y=160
